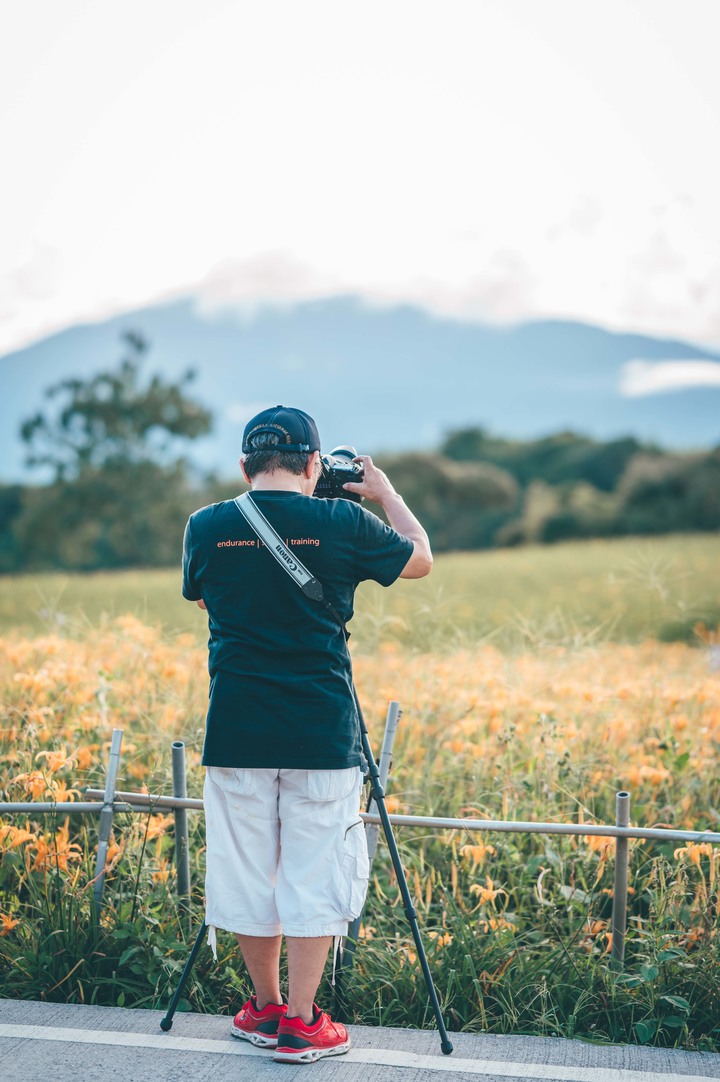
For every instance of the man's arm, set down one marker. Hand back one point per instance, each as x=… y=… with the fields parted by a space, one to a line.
x=378 y=488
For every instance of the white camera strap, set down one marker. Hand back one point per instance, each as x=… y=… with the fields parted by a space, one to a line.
x=275 y=545
x=297 y=571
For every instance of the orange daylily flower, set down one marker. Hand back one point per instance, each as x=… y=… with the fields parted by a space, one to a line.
x=56 y=760
x=476 y=853
x=55 y=850
x=7 y=924
x=34 y=783
x=442 y=939
x=11 y=836
x=693 y=851
x=488 y=893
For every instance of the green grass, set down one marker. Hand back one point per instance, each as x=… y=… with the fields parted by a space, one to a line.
x=624 y=589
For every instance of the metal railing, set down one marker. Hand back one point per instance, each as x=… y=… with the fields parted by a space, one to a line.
x=109 y=801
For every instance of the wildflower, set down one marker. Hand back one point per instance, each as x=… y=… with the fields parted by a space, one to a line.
x=60 y=791
x=409 y=955
x=56 y=760
x=34 y=783
x=496 y=924
x=157 y=825
x=488 y=893
x=7 y=924
x=114 y=852
x=693 y=851
x=442 y=939
x=84 y=756
x=11 y=836
x=477 y=853
x=55 y=851
x=695 y=935
x=599 y=843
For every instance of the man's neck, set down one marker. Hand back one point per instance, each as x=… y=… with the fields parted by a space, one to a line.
x=280 y=481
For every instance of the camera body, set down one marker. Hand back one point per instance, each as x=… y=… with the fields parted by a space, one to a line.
x=337 y=469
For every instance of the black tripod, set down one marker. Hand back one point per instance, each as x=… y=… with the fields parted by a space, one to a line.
x=378 y=794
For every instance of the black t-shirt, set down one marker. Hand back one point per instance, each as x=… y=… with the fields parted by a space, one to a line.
x=280 y=673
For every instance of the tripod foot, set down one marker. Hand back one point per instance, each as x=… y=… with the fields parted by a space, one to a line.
x=166 y=1024
x=446 y=1047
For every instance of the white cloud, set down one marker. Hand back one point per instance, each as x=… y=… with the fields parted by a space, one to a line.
x=640 y=378
x=268 y=276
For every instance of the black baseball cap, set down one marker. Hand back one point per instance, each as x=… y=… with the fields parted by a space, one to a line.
x=297 y=430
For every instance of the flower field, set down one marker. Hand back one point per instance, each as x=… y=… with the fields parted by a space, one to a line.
x=531 y=722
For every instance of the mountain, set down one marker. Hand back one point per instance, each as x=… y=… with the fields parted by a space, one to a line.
x=383 y=379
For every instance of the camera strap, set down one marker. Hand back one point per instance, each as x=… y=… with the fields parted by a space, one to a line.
x=275 y=545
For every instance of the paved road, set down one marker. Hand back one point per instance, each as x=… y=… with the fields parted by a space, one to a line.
x=64 y=1043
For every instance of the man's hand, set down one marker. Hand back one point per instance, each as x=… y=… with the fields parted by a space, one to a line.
x=376 y=486
x=201 y=604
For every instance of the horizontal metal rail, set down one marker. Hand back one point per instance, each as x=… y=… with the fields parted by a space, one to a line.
x=150 y=802
x=594 y=830
x=63 y=807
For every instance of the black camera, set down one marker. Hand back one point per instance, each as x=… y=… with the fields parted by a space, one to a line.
x=337 y=469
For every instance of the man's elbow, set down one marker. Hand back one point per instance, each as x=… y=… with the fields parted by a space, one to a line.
x=418 y=566
x=427 y=565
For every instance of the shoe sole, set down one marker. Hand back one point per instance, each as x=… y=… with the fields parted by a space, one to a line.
x=258 y=1039
x=309 y=1055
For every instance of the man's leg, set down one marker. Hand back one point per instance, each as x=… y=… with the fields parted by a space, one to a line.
x=306 y=961
x=262 y=958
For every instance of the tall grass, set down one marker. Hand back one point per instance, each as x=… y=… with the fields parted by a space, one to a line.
x=623 y=590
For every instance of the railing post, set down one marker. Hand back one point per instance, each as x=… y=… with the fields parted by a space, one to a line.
x=620 y=887
x=372 y=830
x=182 y=855
x=106 y=815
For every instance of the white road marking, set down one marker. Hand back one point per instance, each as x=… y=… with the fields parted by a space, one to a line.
x=381 y=1057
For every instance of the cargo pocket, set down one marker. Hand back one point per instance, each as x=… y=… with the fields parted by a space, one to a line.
x=325 y=785
x=355 y=871
x=240 y=781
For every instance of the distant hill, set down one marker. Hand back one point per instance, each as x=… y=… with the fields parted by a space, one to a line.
x=384 y=379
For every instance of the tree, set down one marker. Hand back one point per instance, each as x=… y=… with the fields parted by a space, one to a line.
x=121 y=489
x=113 y=420
x=555 y=459
x=461 y=504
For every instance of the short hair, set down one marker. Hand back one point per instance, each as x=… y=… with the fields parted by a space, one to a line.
x=263 y=458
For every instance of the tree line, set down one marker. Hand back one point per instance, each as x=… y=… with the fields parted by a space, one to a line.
x=122 y=485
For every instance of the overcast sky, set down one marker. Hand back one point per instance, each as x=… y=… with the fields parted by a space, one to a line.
x=492 y=160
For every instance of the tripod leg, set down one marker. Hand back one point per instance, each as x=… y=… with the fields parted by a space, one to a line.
x=410 y=911
x=349 y=945
x=166 y=1023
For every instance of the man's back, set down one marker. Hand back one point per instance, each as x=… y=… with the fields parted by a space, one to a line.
x=280 y=672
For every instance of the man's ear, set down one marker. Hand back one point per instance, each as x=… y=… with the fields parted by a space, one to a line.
x=241 y=462
x=311 y=468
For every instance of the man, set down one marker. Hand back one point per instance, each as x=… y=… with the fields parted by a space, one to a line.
x=286 y=849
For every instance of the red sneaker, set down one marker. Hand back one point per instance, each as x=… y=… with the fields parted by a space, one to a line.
x=299 y=1043
x=259 y=1027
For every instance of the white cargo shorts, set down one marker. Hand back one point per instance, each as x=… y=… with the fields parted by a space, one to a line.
x=286 y=851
